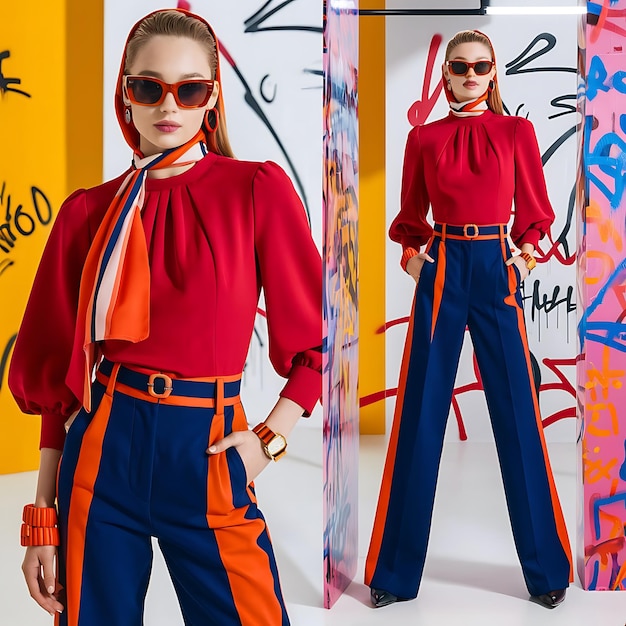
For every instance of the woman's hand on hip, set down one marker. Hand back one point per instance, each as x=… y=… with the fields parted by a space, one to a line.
x=415 y=263
x=39 y=571
x=521 y=266
x=249 y=448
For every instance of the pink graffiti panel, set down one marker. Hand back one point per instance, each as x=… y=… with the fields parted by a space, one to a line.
x=340 y=386
x=601 y=368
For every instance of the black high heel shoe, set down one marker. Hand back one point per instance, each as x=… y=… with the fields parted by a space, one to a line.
x=550 y=600
x=381 y=597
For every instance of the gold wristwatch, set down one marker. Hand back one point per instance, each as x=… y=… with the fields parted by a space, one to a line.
x=529 y=259
x=274 y=444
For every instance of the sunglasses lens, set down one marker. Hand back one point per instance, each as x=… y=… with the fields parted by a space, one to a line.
x=458 y=67
x=194 y=94
x=482 y=67
x=144 y=91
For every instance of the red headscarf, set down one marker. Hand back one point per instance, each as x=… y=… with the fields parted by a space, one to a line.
x=129 y=131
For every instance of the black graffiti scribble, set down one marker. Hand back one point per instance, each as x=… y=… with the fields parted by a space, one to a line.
x=253 y=103
x=5 y=357
x=254 y=24
x=5 y=264
x=22 y=221
x=517 y=65
x=558 y=103
x=5 y=83
x=268 y=99
x=548 y=302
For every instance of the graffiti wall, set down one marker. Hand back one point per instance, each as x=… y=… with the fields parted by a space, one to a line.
x=340 y=391
x=39 y=166
x=536 y=62
x=601 y=370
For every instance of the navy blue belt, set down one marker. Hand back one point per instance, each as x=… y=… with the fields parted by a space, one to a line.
x=160 y=385
x=471 y=231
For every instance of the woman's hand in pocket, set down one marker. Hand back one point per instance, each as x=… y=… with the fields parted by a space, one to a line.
x=249 y=448
x=519 y=262
x=416 y=263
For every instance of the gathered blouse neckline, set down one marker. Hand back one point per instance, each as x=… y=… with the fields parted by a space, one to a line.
x=471 y=119
x=192 y=174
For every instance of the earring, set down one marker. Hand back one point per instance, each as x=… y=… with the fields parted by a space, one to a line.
x=492 y=85
x=449 y=85
x=128 y=116
x=211 y=119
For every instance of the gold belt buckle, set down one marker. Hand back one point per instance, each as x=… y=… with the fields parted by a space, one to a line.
x=167 y=385
x=468 y=236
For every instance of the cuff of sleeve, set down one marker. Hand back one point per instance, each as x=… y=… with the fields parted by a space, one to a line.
x=304 y=387
x=413 y=242
x=532 y=235
x=52 y=431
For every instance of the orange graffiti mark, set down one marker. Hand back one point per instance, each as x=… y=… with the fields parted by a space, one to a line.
x=605 y=225
x=597 y=31
x=596 y=416
x=608 y=265
x=603 y=378
x=617 y=524
x=596 y=470
x=621 y=575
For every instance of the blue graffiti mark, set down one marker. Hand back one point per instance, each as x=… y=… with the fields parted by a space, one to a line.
x=593 y=8
x=612 y=166
x=595 y=79
x=599 y=80
x=599 y=503
x=615 y=336
x=622 y=470
x=594 y=580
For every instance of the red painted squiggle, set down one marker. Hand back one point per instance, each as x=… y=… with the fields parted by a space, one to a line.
x=420 y=110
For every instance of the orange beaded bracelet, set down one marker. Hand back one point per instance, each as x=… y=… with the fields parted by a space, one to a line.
x=39 y=527
x=408 y=253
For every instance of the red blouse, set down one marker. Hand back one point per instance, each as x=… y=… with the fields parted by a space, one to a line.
x=216 y=234
x=471 y=170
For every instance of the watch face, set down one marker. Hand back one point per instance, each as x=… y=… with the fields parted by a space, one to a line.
x=276 y=445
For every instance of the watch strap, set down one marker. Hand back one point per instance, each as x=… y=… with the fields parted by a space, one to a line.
x=264 y=433
x=529 y=259
x=267 y=435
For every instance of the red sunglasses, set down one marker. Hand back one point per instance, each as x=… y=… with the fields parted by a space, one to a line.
x=148 y=91
x=460 y=68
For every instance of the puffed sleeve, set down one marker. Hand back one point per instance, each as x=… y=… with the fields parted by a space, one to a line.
x=533 y=211
x=290 y=271
x=410 y=227
x=42 y=352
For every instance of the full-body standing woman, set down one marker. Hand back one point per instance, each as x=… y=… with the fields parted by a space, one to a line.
x=469 y=167
x=134 y=339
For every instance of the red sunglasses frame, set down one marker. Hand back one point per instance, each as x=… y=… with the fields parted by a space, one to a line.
x=470 y=65
x=168 y=88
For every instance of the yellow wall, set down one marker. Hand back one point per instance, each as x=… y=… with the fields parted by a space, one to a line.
x=372 y=225
x=40 y=162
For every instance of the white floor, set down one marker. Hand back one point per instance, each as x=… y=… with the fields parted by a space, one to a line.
x=472 y=576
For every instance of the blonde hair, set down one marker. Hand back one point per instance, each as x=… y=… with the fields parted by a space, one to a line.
x=178 y=24
x=494 y=100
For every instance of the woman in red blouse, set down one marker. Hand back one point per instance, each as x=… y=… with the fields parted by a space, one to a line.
x=134 y=340
x=469 y=168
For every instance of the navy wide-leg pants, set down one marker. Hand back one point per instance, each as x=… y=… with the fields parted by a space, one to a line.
x=137 y=468
x=467 y=285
